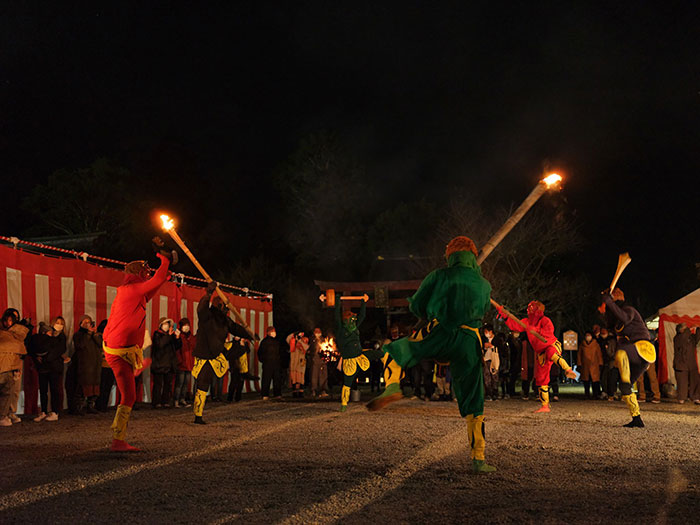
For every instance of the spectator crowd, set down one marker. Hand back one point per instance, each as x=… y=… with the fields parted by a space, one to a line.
x=48 y=366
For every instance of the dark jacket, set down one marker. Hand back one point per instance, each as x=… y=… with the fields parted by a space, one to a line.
x=684 y=351
x=214 y=327
x=626 y=321
x=499 y=341
x=87 y=356
x=515 y=348
x=164 y=349
x=270 y=351
x=47 y=352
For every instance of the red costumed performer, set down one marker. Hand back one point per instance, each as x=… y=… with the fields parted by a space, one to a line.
x=545 y=353
x=124 y=334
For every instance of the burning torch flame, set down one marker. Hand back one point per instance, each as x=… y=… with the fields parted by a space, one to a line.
x=167 y=222
x=551 y=180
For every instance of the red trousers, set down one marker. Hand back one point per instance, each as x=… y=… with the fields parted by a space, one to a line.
x=543 y=363
x=124 y=375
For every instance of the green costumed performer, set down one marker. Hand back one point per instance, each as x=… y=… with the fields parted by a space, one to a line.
x=453 y=300
x=347 y=330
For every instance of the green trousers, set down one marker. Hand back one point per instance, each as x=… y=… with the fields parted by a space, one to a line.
x=461 y=348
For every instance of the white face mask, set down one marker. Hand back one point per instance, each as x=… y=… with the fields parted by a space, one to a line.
x=589 y=338
x=186 y=328
x=273 y=334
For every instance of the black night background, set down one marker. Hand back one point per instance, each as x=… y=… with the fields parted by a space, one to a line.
x=302 y=140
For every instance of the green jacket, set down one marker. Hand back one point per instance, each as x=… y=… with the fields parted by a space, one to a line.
x=348 y=341
x=456 y=295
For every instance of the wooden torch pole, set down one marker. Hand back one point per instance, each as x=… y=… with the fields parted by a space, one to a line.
x=176 y=237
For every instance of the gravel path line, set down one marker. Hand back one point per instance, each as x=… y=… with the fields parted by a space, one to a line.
x=345 y=502
x=48 y=490
x=33 y=462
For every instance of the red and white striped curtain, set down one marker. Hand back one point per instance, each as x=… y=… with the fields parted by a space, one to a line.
x=43 y=287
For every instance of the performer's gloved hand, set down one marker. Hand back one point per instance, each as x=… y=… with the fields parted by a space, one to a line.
x=160 y=247
x=502 y=313
x=570 y=373
x=211 y=287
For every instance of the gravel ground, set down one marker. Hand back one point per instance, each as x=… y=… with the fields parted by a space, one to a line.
x=304 y=462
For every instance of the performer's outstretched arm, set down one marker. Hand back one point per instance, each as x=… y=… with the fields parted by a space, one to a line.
x=362 y=314
x=150 y=287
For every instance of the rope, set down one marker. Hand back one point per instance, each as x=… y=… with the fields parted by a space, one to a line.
x=85 y=256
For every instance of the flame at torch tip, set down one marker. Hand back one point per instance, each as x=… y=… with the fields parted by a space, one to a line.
x=167 y=222
x=551 y=180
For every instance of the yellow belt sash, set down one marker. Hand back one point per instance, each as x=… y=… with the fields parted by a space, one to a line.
x=131 y=354
x=219 y=365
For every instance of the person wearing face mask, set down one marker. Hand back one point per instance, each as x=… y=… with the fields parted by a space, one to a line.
x=589 y=360
x=87 y=359
x=46 y=349
x=634 y=353
x=211 y=358
x=319 y=368
x=185 y=362
x=491 y=363
x=13 y=334
x=298 y=346
x=125 y=331
x=165 y=345
x=685 y=364
x=546 y=353
x=270 y=355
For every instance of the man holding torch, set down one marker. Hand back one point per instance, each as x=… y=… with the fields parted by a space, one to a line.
x=635 y=351
x=124 y=334
x=210 y=353
x=546 y=352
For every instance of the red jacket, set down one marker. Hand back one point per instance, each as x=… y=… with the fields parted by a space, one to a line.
x=127 y=320
x=544 y=327
x=185 y=359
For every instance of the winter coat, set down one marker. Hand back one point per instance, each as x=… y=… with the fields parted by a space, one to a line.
x=269 y=351
x=684 y=351
x=297 y=358
x=214 y=327
x=608 y=349
x=185 y=357
x=12 y=347
x=503 y=354
x=47 y=352
x=515 y=347
x=164 y=349
x=88 y=356
x=527 y=360
x=590 y=359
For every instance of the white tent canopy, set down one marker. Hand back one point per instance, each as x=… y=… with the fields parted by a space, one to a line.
x=684 y=310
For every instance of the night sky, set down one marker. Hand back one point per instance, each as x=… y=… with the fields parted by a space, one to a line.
x=430 y=96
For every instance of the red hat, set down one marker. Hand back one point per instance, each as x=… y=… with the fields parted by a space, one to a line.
x=348 y=314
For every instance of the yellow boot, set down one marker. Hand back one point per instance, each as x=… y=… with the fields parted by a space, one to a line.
x=344 y=398
x=200 y=398
x=477 y=443
x=633 y=407
x=121 y=420
x=392 y=381
x=544 y=399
